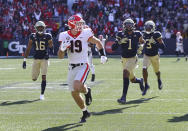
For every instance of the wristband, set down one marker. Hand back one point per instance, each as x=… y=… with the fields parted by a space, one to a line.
x=24 y=59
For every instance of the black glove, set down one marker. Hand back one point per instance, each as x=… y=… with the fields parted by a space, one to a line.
x=24 y=65
x=115 y=46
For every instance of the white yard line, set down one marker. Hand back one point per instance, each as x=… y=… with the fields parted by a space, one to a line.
x=141 y=99
x=95 y=113
x=7 y=68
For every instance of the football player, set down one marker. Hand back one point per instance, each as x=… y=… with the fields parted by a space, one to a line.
x=103 y=40
x=129 y=40
x=179 y=46
x=151 y=56
x=40 y=41
x=75 y=43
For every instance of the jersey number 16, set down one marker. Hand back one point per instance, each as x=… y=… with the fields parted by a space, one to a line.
x=40 y=46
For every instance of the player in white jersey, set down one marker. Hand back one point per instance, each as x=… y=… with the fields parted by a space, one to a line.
x=103 y=40
x=179 y=46
x=75 y=42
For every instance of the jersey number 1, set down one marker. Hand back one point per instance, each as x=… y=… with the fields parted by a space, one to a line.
x=129 y=48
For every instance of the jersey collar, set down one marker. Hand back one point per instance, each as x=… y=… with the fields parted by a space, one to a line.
x=74 y=36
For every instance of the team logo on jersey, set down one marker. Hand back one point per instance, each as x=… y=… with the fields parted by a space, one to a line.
x=68 y=38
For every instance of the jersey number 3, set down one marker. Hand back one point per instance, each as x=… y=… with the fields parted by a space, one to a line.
x=76 y=46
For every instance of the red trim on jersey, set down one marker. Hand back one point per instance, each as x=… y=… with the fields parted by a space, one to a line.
x=60 y=42
x=74 y=36
x=85 y=72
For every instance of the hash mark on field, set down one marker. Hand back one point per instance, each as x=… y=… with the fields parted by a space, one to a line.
x=7 y=68
x=36 y=85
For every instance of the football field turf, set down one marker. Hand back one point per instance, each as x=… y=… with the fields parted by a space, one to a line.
x=158 y=110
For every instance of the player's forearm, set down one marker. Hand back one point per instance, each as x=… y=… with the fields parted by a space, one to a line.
x=61 y=54
x=50 y=43
x=26 y=53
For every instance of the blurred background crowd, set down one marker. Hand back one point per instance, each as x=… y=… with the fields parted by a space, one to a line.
x=103 y=16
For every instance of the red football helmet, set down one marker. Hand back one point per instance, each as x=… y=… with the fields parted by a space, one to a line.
x=76 y=22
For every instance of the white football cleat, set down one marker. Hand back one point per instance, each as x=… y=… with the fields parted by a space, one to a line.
x=42 y=97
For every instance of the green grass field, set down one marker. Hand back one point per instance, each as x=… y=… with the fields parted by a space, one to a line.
x=21 y=109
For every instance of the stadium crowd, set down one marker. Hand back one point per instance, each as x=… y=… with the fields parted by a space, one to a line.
x=103 y=16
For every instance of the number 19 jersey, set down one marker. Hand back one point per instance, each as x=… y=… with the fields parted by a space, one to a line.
x=78 y=51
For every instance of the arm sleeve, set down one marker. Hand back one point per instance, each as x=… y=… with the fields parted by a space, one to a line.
x=31 y=37
x=49 y=37
x=116 y=44
x=139 y=34
x=157 y=35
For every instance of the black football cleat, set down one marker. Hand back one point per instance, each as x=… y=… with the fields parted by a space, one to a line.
x=88 y=97
x=160 y=84
x=121 y=101
x=145 y=90
x=86 y=114
x=186 y=58
x=141 y=85
x=93 y=78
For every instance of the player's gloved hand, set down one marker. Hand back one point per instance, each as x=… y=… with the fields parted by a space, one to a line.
x=65 y=45
x=24 y=65
x=103 y=59
x=139 y=50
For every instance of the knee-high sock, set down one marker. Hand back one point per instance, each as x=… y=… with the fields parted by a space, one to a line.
x=125 y=87
x=43 y=86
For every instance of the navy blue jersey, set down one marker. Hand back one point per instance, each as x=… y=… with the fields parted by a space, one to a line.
x=40 y=45
x=151 y=46
x=128 y=43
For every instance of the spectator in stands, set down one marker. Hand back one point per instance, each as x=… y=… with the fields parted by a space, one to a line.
x=104 y=17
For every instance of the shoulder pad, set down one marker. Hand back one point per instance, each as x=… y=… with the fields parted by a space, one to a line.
x=48 y=34
x=32 y=35
x=119 y=35
x=157 y=34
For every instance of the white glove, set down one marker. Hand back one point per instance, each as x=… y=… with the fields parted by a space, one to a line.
x=139 y=50
x=103 y=59
x=65 y=45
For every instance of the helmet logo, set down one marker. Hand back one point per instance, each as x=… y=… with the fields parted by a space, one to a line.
x=72 y=18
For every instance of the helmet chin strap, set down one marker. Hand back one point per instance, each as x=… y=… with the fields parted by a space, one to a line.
x=40 y=32
x=148 y=32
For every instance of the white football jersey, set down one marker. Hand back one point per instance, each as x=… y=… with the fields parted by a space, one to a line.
x=179 y=40
x=78 y=52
